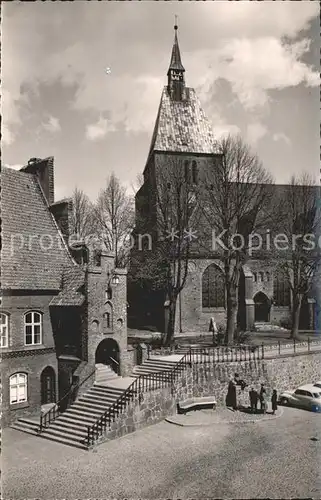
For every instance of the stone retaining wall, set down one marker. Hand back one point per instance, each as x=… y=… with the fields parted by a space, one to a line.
x=212 y=380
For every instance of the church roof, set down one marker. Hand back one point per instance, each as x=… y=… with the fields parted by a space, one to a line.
x=33 y=253
x=182 y=127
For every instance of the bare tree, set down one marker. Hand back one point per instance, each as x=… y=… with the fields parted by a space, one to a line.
x=139 y=181
x=301 y=227
x=81 y=216
x=176 y=208
x=171 y=209
x=236 y=198
x=114 y=216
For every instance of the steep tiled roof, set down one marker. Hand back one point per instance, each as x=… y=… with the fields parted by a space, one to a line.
x=33 y=252
x=72 y=283
x=181 y=126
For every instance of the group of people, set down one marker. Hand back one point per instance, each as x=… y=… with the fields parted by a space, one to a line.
x=256 y=397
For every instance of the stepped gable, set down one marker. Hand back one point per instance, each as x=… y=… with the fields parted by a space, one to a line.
x=33 y=250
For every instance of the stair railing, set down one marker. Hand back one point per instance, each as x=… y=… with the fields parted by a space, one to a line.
x=59 y=407
x=141 y=384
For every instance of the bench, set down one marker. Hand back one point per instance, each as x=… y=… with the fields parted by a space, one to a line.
x=196 y=404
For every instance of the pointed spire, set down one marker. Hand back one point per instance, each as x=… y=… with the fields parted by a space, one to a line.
x=176 y=63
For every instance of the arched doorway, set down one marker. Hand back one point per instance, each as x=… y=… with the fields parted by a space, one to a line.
x=262 y=307
x=48 y=386
x=107 y=353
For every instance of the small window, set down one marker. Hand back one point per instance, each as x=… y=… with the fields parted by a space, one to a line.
x=107 y=320
x=186 y=171
x=18 y=388
x=4 y=330
x=194 y=172
x=261 y=276
x=109 y=294
x=97 y=258
x=267 y=276
x=255 y=277
x=33 y=328
x=168 y=185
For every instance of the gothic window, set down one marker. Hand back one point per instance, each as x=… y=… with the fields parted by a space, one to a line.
x=261 y=276
x=109 y=294
x=18 y=388
x=108 y=318
x=255 y=277
x=282 y=296
x=194 y=172
x=186 y=171
x=213 y=287
x=267 y=276
x=97 y=258
x=33 y=328
x=4 y=330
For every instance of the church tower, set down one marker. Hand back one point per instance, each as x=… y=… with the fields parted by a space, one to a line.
x=182 y=138
x=175 y=73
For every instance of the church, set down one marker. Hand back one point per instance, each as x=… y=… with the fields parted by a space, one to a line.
x=183 y=134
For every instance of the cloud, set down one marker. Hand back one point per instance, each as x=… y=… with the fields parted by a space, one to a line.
x=52 y=125
x=255 y=132
x=280 y=136
x=7 y=136
x=253 y=67
x=229 y=45
x=99 y=130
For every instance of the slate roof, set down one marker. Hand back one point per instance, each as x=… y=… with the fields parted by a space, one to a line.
x=176 y=62
x=33 y=253
x=181 y=126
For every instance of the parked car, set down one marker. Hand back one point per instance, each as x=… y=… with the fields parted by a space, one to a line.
x=317 y=384
x=307 y=396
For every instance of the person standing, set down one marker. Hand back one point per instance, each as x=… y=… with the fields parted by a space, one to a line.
x=262 y=398
x=274 y=401
x=252 y=395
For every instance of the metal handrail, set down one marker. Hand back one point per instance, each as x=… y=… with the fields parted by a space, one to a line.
x=54 y=412
x=140 y=384
x=114 y=360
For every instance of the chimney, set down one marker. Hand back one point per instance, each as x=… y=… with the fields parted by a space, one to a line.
x=44 y=171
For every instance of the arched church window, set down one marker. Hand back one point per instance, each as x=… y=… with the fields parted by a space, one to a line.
x=261 y=274
x=194 y=172
x=213 y=287
x=281 y=289
x=268 y=276
x=255 y=277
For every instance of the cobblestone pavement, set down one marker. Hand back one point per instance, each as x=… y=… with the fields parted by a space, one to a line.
x=275 y=459
x=220 y=416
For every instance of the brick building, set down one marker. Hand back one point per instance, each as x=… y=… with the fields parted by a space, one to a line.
x=63 y=309
x=183 y=136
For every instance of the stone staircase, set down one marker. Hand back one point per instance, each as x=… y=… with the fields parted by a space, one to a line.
x=156 y=364
x=70 y=428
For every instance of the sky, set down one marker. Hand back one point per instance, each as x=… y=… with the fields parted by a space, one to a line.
x=255 y=66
